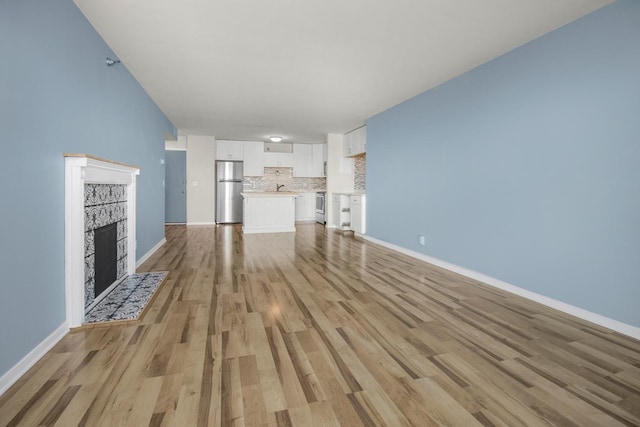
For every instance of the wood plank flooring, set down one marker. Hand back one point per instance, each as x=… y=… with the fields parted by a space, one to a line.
x=318 y=329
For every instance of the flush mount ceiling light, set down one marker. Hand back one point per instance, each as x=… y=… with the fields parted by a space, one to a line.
x=275 y=138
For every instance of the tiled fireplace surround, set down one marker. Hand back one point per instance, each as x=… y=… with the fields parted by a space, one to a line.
x=98 y=192
x=104 y=204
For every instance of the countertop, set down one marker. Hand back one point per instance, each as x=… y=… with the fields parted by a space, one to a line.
x=351 y=193
x=270 y=194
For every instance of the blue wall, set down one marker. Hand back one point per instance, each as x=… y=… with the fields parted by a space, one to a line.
x=527 y=168
x=56 y=96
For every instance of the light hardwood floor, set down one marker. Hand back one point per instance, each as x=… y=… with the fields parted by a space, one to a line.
x=316 y=328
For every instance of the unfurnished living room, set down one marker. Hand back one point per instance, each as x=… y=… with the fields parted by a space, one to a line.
x=320 y=213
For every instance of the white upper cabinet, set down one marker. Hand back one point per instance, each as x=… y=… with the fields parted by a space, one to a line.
x=278 y=160
x=346 y=144
x=302 y=158
x=317 y=164
x=308 y=160
x=253 y=158
x=360 y=146
x=355 y=142
x=229 y=150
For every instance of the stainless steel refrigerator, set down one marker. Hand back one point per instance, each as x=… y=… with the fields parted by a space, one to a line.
x=229 y=177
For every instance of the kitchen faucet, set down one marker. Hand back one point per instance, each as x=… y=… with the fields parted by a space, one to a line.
x=278 y=187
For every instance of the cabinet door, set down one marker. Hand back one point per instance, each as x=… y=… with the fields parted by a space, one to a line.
x=363 y=141
x=277 y=160
x=300 y=208
x=302 y=159
x=347 y=144
x=229 y=150
x=358 y=214
x=335 y=210
x=317 y=160
x=253 y=158
x=305 y=207
x=359 y=145
x=355 y=142
x=356 y=218
x=311 y=206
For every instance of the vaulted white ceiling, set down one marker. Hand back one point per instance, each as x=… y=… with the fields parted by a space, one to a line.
x=247 y=69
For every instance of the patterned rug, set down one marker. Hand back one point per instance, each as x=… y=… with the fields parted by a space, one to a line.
x=127 y=300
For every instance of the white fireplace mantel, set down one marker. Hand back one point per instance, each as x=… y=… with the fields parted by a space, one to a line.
x=81 y=169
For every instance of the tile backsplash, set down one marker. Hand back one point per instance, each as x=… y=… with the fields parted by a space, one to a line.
x=359 y=173
x=279 y=176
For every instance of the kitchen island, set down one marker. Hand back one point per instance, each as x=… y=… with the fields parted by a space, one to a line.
x=269 y=212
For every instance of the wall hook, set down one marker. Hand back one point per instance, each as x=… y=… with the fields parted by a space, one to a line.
x=111 y=62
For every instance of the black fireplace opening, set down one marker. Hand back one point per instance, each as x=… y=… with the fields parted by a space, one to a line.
x=106 y=257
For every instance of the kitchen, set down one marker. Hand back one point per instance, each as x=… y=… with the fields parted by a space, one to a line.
x=314 y=182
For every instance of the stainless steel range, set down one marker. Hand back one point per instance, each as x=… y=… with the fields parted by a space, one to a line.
x=320 y=207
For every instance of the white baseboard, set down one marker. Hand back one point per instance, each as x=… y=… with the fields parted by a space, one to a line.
x=20 y=368
x=201 y=223
x=13 y=374
x=151 y=252
x=623 y=328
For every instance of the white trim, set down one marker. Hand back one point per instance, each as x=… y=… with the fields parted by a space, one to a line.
x=201 y=223
x=81 y=170
x=146 y=256
x=623 y=328
x=261 y=230
x=175 y=149
x=21 y=368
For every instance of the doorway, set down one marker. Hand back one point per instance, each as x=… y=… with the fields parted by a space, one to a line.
x=175 y=200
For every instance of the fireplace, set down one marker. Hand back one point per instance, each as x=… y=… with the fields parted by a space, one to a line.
x=100 y=198
x=106 y=258
x=105 y=251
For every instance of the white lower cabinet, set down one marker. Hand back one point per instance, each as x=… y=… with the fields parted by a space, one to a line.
x=341 y=211
x=358 y=214
x=305 y=207
x=268 y=214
